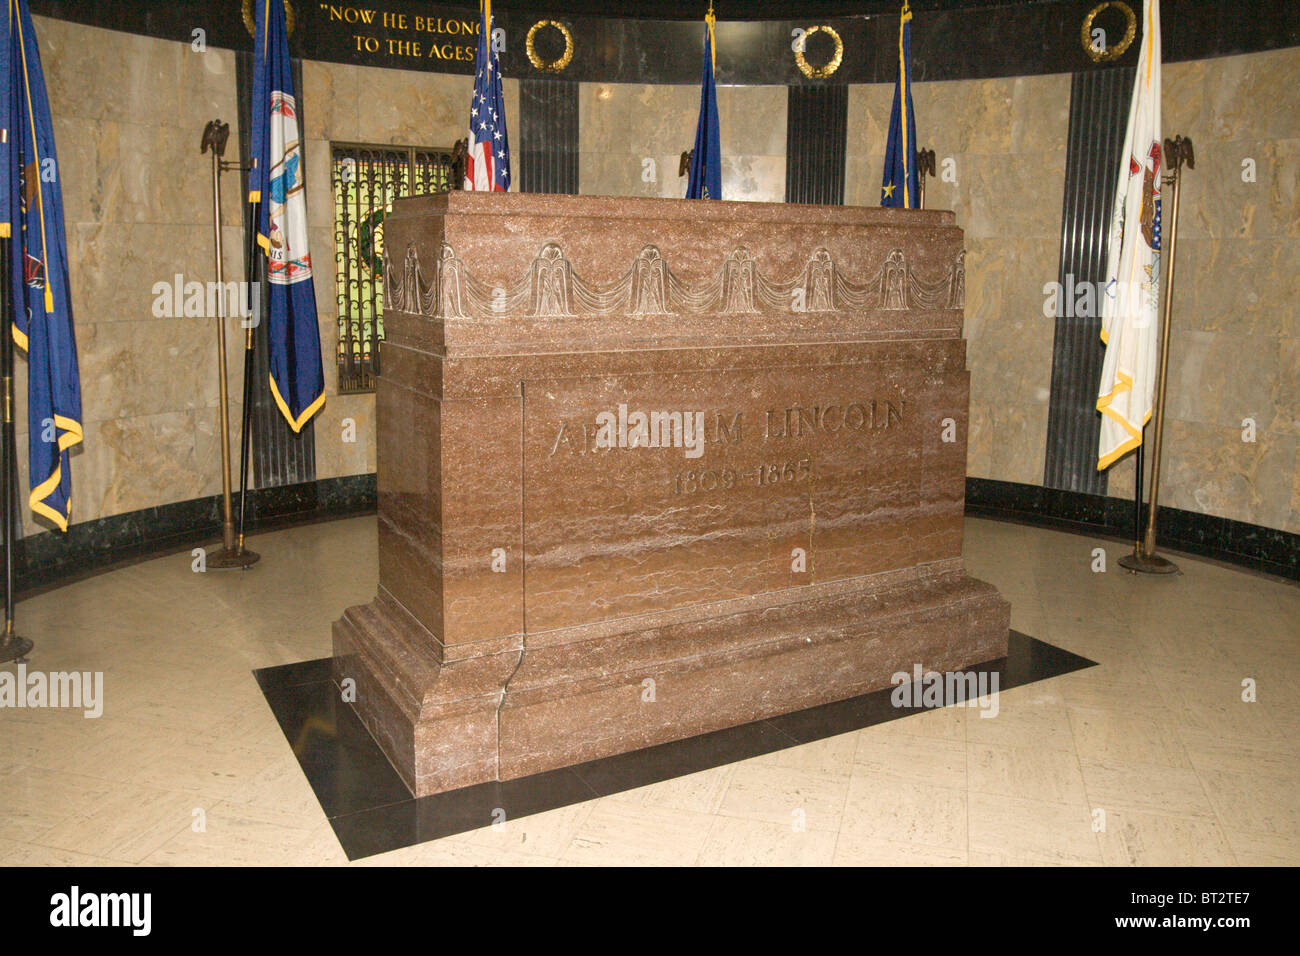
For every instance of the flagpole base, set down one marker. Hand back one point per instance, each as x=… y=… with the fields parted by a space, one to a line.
x=1147 y=564
x=230 y=559
x=15 y=649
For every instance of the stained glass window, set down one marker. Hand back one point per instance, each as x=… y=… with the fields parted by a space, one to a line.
x=366 y=180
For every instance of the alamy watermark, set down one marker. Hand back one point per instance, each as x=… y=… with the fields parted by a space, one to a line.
x=65 y=689
x=638 y=429
x=1083 y=299
x=206 y=300
x=75 y=908
x=930 y=689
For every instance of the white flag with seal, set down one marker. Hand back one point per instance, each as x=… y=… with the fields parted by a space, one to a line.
x=1129 y=316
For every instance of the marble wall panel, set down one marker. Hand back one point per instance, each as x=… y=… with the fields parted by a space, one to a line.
x=128 y=112
x=1040 y=110
x=334 y=89
x=1255 y=478
x=867 y=134
x=167 y=441
x=1248 y=188
x=1000 y=155
x=1233 y=98
x=106 y=75
x=631 y=138
x=345 y=436
x=1236 y=287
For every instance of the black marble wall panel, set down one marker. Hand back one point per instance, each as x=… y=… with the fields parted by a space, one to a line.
x=1099 y=104
x=817 y=119
x=547 y=155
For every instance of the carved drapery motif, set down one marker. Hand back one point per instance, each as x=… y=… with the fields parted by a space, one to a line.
x=551 y=283
x=895 y=288
x=450 y=304
x=649 y=284
x=958 y=299
x=738 y=282
x=552 y=288
x=819 y=283
x=410 y=276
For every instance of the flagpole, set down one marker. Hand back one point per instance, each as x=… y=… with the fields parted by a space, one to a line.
x=232 y=553
x=12 y=646
x=1140 y=462
x=1144 y=557
x=254 y=279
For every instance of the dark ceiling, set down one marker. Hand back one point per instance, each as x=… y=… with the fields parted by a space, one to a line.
x=742 y=9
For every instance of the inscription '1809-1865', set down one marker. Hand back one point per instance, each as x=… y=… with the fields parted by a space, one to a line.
x=692 y=429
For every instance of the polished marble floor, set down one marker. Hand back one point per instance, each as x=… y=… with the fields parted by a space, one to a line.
x=1152 y=757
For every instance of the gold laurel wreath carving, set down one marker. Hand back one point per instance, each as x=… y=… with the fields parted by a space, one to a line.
x=1116 y=51
x=554 y=66
x=250 y=21
x=819 y=72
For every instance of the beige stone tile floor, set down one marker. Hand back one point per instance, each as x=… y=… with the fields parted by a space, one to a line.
x=1151 y=758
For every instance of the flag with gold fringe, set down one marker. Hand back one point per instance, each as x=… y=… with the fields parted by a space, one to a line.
x=293 y=337
x=31 y=218
x=1129 y=318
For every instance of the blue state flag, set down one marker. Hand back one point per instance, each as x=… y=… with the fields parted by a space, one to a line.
x=487 y=163
x=276 y=182
x=31 y=217
x=706 y=159
x=899 y=187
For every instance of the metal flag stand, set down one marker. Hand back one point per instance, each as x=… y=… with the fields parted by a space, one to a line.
x=12 y=646
x=1144 y=558
x=232 y=553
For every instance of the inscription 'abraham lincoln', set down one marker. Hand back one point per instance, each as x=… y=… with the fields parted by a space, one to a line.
x=693 y=430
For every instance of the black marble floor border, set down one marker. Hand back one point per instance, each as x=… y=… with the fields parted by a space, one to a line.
x=372 y=812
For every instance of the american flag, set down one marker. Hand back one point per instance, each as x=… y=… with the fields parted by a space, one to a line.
x=487 y=167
